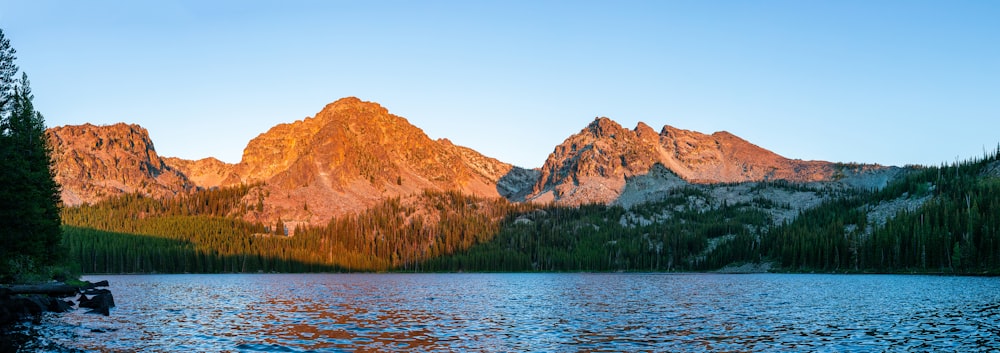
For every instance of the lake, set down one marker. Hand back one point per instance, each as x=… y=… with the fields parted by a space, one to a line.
x=537 y=312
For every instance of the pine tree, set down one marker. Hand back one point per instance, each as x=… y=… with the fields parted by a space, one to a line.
x=29 y=197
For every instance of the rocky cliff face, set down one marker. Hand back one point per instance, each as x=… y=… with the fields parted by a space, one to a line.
x=92 y=163
x=724 y=158
x=594 y=165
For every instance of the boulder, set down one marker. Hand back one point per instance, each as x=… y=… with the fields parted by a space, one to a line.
x=101 y=303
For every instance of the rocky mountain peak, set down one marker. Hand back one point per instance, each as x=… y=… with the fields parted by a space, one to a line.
x=94 y=162
x=129 y=139
x=591 y=166
x=595 y=164
x=354 y=110
x=353 y=154
x=603 y=127
x=645 y=132
x=274 y=151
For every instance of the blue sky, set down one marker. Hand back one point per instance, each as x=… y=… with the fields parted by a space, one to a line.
x=890 y=82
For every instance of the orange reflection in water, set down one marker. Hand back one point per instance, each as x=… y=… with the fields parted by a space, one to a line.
x=313 y=326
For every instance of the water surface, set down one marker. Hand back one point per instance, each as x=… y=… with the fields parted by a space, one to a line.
x=538 y=312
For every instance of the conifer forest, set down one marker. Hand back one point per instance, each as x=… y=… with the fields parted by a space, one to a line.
x=954 y=230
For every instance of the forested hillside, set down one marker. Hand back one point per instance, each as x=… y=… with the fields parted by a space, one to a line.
x=600 y=238
x=934 y=220
x=954 y=229
x=949 y=222
x=204 y=233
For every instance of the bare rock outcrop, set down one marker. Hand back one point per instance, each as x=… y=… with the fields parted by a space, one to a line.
x=92 y=163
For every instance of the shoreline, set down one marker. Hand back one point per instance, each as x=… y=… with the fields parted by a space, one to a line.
x=23 y=306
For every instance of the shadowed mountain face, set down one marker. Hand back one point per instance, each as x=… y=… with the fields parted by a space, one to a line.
x=353 y=154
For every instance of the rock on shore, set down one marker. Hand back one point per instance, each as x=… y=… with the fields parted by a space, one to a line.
x=28 y=302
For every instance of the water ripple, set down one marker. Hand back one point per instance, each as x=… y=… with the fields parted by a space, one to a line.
x=539 y=312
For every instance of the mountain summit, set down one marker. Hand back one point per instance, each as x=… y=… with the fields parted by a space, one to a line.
x=353 y=154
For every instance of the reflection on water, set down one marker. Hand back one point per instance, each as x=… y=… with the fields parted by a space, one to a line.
x=539 y=312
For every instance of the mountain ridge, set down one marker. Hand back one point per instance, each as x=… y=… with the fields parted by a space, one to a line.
x=594 y=164
x=353 y=154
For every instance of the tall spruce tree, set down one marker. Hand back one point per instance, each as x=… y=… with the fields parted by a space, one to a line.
x=29 y=196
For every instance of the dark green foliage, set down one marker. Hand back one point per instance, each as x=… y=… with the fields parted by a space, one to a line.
x=29 y=197
x=201 y=227
x=603 y=238
x=213 y=247
x=194 y=233
x=957 y=229
x=817 y=239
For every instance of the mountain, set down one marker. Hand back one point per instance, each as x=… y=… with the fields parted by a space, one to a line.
x=378 y=193
x=353 y=154
x=593 y=165
x=93 y=163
